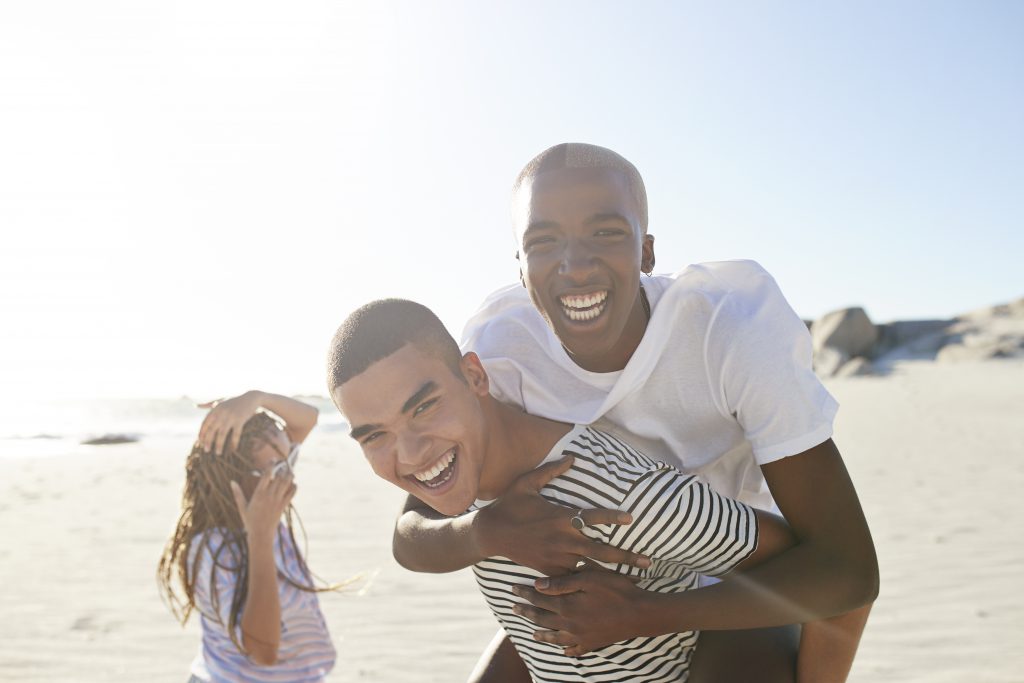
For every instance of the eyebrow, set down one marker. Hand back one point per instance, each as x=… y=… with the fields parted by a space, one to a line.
x=596 y=218
x=539 y=225
x=428 y=387
x=606 y=216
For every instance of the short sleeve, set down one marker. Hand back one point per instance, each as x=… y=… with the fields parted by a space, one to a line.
x=677 y=517
x=758 y=354
x=215 y=561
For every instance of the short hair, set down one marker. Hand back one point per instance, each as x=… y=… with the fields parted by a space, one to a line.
x=380 y=328
x=583 y=155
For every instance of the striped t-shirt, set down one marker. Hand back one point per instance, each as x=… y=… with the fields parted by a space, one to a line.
x=305 y=654
x=678 y=521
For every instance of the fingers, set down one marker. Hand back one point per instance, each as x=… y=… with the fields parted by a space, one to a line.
x=280 y=490
x=236 y=437
x=540 y=617
x=206 y=430
x=603 y=516
x=545 y=603
x=290 y=494
x=555 y=638
x=609 y=554
x=558 y=585
x=537 y=479
x=221 y=438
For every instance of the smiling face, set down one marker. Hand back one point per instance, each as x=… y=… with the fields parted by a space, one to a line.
x=420 y=426
x=581 y=248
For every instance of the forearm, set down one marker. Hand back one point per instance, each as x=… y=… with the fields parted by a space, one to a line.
x=828 y=647
x=299 y=417
x=427 y=541
x=804 y=584
x=261 y=618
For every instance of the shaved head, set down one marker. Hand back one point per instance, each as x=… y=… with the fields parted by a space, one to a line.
x=380 y=328
x=582 y=155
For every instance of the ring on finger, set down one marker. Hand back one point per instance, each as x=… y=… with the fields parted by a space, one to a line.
x=577 y=520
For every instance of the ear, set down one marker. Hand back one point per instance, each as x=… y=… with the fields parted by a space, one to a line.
x=476 y=376
x=522 y=278
x=647 y=254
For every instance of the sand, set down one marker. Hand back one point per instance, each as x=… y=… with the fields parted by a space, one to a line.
x=936 y=451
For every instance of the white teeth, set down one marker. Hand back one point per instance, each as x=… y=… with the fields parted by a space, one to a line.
x=438 y=467
x=584 y=307
x=583 y=300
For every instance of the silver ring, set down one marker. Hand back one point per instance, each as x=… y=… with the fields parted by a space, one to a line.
x=577 y=521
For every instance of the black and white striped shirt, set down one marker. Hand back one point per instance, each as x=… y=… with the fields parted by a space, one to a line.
x=678 y=521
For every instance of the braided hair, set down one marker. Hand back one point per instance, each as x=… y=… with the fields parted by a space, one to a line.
x=207 y=505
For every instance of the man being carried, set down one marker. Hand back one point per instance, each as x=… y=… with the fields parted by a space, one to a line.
x=422 y=413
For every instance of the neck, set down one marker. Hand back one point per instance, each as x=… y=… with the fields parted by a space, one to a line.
x=616 y=358
x=516 y=443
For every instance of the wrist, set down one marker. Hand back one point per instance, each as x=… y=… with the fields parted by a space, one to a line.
x=661 y=613
x=260 y=538
x=479 y=539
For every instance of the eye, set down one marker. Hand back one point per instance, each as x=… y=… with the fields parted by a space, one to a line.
x=535 y=242
x=371 y=437
x=425 y=406
x=609 y=232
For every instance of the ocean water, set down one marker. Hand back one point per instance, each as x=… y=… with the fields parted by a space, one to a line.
x=58 y=426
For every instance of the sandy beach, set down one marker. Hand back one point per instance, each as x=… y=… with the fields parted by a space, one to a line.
x=936 y=451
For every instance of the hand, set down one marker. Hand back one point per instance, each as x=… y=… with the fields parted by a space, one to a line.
x=261 y=513
x=226 y=419
x=530 y=531
x=586 y=610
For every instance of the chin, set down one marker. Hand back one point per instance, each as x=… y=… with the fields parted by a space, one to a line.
x=453 y=505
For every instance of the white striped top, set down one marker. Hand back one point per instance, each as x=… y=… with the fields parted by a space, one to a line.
x=678 y=521
x=305 y=654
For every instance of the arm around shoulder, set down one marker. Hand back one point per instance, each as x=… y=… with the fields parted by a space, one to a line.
x=427 y=541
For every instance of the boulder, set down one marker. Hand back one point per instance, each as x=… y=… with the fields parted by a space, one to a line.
x=848 y=330
x=856 y=367
x=828 y=360
x=922 y=335
x=982 y=347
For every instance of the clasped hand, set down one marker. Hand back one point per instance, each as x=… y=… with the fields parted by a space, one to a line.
x=585 y=610
x=580 y=609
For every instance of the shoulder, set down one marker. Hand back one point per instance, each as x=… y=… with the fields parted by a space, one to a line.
x=717 y=280
x=604 y=454
x=737 y=295
x=215 y=548
x=507 y=312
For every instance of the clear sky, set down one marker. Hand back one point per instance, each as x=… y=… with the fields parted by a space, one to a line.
x=194 y=194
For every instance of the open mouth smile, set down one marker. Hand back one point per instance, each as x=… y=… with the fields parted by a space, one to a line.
x=584 y=307
x=439 y=473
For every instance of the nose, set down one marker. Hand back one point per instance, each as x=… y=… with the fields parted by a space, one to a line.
x=577 y=260
x=413 y=448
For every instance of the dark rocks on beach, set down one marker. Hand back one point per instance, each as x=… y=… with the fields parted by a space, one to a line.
x=855 y=367
x=846 y=343
x=110 y=439
x=849 y=330
x=840 y=336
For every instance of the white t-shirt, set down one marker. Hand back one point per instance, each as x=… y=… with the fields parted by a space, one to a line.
x=305 y=654
x=720 y=383
x=678 y=521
